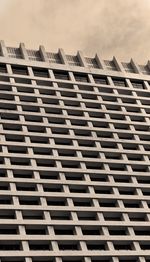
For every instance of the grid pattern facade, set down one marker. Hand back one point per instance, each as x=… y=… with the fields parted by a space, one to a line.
x=74 y=159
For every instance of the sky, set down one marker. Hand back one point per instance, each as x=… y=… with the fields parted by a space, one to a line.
x=109 y=28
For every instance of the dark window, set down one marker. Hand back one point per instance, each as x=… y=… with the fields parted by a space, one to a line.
x=56 y=202
x=5 y=200
x=8 y=230
x=119 y=82
x=61 y=75
x=87 y=216
x=74 y=176
x=49 y=175
x=96 y=246
x=3 y=68
x=117 y=232
x=81 y=77
x=64 y=231
x=35 y=231
x=91 y=231
x=100 y=80
x=137 y=84
x=11 y=246
x=59 y=215
x=124 y=246
x=107 y=203
x=142 y=232
x=5 y=214
x=112 y=216
x=137 y=217
x=32 y=214
x=22 y=81
x=132 y=204
x=40 y=72
x=20 y=70
x=39 y=246
x=82 y=203
x=29 y=201
x=145 y=246
x=68 y=246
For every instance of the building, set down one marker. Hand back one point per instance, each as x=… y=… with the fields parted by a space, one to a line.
x=74 y=158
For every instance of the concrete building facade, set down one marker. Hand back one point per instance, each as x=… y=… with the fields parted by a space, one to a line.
x=74 y=158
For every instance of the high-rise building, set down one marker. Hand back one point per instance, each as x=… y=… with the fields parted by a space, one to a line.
x=74 y=158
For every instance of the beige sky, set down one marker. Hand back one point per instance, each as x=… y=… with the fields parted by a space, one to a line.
x=108 y=27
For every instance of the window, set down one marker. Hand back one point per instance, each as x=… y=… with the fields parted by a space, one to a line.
x=5 y=87
x=81 y=77
x=23 y=81
x=137 y=84
x=68 y=246
x=91 y=216
x=29 y=200
x=56 y=202
x=32 y=215
x=3 y=68
x=65 y=231
x=25 y=187
x=100 y=80
x=122 y=179
x=33 y=230
x=123 y=246
x=13 y=245
x=40 y=72
x=5 y=200
x=96 y=246
x=7 y=214
x=142 y=232
x=102 y=190
x=4 y=186
x=78 y=189
x=39 y=245
x=4 y=78
x=107 y=203
x=20 y=70
x=119 y=82
x=17 y=149
x=97 y=177
x=118 y=231
x=49 y=175
x=143 y=180
x=45 y=162
x=74 y=176
x=22 y=174
x=94 y=165
x=131 y=204
x=127 y=191
x=145 y=246
x=137 y=217
x=91 y=231
x=60 y=215
x=42 y=151
x=82 y=202
x=112 y=216
x=63 y=75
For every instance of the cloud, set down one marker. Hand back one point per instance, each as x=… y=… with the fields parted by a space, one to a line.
x=108 y=27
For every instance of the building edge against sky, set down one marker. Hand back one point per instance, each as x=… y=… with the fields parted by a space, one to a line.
x=74 y=158
x=78 y=60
